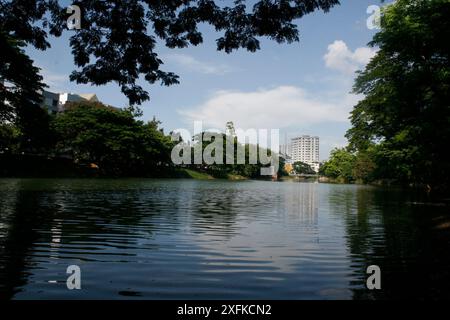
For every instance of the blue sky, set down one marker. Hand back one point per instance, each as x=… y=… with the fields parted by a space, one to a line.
x=301 y=88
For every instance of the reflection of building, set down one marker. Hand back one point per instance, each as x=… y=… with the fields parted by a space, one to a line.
x=306 y=149
x=55 y=102
x=303 y=203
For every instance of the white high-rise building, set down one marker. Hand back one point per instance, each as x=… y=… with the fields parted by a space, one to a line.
x=306 y=149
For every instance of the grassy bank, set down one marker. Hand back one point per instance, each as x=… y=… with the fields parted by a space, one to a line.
x=192 y=174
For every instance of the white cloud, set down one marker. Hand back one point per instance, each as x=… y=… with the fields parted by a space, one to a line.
x=278 y=107
x=190 y=63
x=340 y=57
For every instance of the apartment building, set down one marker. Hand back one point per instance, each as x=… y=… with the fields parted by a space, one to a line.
x=305 y=149
x=54 y=102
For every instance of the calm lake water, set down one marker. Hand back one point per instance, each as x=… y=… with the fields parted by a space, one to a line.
x=188 y=239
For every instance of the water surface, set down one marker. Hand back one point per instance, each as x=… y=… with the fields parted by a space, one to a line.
x=188 y=239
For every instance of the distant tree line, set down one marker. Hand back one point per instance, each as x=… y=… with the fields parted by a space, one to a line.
x=231 y=165
x=106 y=141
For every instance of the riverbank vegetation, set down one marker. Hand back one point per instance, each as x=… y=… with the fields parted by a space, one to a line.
x=300 y=167
x=401 y=128
x=92 y=139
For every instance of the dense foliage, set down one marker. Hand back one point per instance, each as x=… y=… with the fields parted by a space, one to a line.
x=20 y=86
x=346 y=166
x=106 y=141
x=9 y=138
x=112 y=139
x=401 y=129
x=303 y=168
x=230 y=165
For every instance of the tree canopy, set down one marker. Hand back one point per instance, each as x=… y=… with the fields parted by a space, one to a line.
x=339 y=166
x=303 y=168
x=405 y=113
x=112 y=139
x=20 y=81
x=117 y=39
x=229 y=164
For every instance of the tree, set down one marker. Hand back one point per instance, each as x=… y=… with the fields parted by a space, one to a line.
x=340 y=165
x=230 y=166
x=9 y=138
x=283 y=168
x=20 y=97
x=20 y=82
x=112 y=139
x=117 y=39
x=303 y=168
x=406 y=109
x=364 y=166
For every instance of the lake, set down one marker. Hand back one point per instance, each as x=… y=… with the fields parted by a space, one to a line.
x=192 y=239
